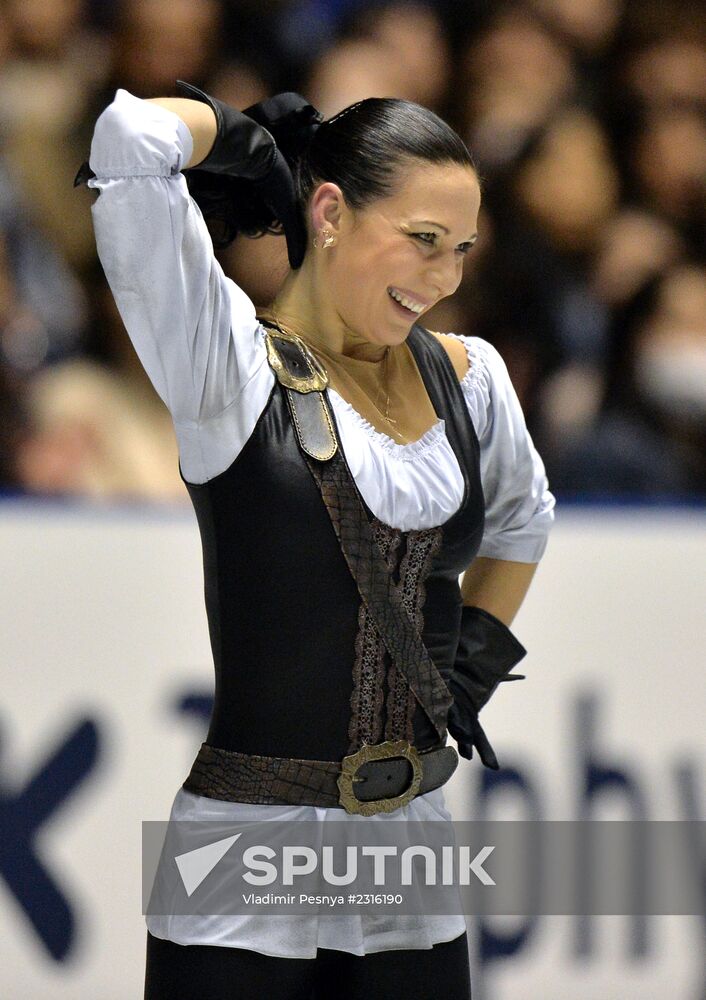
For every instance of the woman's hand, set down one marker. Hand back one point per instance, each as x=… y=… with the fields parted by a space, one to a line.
x=487 y=651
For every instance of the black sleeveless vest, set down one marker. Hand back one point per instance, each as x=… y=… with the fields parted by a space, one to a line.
x=300 y=668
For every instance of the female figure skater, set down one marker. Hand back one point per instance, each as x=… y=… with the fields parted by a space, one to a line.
x=346 y=466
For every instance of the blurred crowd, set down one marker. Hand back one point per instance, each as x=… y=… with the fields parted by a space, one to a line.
x=585 y=118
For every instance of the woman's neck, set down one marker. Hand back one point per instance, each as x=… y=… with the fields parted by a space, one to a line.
x=304 y=308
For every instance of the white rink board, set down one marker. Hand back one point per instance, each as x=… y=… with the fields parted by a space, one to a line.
x=103 y=632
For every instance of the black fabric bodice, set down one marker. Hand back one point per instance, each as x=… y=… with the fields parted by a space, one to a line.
x=282 y=605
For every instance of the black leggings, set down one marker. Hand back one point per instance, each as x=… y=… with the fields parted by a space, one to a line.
x=212 y=972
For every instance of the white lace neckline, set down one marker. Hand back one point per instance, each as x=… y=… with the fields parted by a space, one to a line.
x=406 y=451
x=430 y=438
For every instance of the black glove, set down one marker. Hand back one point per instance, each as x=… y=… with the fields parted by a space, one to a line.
x=487 y=651
x=245 y=148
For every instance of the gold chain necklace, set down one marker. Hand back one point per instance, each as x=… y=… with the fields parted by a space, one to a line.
x=385 y=376
x=386 y=384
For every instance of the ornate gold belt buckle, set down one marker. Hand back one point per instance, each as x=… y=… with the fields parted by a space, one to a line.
x=378 y=751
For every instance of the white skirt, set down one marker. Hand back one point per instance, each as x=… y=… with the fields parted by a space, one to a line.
x=299 y=935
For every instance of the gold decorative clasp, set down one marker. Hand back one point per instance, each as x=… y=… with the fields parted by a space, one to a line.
x=315 y=382
x=378 y=751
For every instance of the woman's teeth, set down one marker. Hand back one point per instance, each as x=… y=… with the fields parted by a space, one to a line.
x=403 y=300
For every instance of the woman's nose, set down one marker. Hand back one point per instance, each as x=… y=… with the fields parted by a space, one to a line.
x=445 y=274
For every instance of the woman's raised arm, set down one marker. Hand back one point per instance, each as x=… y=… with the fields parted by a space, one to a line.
x=194 y=329
x=198 y=118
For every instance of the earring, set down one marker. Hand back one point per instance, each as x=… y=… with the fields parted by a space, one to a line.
x=328 y=242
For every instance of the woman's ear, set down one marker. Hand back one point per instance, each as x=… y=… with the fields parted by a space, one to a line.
x=327 y=207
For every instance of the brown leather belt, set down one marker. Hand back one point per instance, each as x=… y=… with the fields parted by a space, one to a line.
x=385 y=776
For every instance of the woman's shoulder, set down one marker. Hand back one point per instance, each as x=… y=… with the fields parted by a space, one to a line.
x=483 y=376
x=456 y=350
x=471 y=356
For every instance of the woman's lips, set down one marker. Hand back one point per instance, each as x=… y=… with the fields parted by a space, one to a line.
x=412 y=296
x=403 y=309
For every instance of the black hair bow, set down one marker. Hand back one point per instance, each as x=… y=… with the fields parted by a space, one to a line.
x=291 y=120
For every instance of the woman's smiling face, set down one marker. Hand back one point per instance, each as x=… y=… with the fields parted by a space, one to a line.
x=412 y=243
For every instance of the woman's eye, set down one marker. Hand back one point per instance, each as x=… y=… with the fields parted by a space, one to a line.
x=463 y=248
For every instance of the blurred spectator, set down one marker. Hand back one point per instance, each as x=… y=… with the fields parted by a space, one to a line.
x=634 y=247
x=352 y=70
x=51 y=63
x=512 y=78
x=398 y=27
x=381 y=56
x=668 y=73
x=159 y=41
x=669 y=161
x=587 y=27
x=650 y=437
x=670 y=366
x=534 y=297
x=51 y=70
x=44 y=305
x=569 y=186
x=237 y=84
x=96 y=426
x=92 y=434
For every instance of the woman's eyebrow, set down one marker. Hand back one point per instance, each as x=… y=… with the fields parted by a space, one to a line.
x=430 y=222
